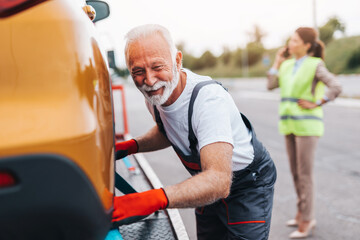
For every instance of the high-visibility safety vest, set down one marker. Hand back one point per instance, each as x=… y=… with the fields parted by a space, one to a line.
x=294 y=119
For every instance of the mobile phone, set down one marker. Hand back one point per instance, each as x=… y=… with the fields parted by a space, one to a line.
x=286 y=53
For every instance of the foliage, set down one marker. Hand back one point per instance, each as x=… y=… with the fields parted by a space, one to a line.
x=337 y=56
x=248 y=56
x=255 y=51
x=327 y=31
x=354 y=60
x=341 y=55
x=255 y=48
x=251 y=55
x=238 y=57
x=207 y=60
x=189 y=61
x=226 y=56
x=338 y=53
x=257 y=35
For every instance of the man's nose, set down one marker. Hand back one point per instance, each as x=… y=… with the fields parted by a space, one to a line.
x=150 y=78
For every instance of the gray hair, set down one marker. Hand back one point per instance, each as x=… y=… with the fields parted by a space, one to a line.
x=148 y=30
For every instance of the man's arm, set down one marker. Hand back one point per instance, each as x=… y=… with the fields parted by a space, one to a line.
x=202 y=189
x=208 y=186
x=153 y=140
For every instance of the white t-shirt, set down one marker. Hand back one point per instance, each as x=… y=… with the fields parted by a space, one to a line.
x=215 y=119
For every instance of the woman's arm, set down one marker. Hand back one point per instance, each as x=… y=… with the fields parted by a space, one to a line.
x=334 y=87
x=272 y=78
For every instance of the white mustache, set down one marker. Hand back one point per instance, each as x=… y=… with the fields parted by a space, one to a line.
x=155 y=87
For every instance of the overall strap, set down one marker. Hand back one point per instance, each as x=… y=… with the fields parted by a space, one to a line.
x=158 y=121
x=192 y=138
x=247 y=123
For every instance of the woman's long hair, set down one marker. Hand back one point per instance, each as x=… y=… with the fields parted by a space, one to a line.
x=310 y=35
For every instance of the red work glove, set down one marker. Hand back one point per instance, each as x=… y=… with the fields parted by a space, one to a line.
x=136 y=206
x=122 y=149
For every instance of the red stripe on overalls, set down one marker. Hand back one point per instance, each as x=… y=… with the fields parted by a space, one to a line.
x=235 y=223
x=193 y=166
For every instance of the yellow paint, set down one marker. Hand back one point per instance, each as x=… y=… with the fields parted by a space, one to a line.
x=55 y=90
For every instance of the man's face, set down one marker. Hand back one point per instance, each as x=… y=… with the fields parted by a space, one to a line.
x=152 y=68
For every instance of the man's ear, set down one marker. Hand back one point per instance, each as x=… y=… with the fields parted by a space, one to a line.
x=179 y=58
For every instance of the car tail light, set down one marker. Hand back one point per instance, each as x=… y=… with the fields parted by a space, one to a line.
x=10 y=7
x=7 y=179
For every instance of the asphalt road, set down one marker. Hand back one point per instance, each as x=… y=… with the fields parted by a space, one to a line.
x=337 y=165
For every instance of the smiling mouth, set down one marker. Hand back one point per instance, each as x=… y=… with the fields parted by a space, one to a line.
x=154 y=92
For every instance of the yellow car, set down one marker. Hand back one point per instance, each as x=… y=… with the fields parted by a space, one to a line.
x=56 y=122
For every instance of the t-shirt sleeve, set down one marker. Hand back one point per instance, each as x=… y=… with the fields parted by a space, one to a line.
x=211 y=120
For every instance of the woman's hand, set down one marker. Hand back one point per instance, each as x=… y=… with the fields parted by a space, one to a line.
x=307 y=104
x=279 y=58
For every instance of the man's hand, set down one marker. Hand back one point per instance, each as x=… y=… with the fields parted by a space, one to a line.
x=307 y=104
x=136 y=206
x=122 y=149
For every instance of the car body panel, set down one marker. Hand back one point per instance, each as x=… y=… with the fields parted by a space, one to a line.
x=55 y=94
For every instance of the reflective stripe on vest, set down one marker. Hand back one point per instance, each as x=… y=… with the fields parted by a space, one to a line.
x=290 y=99
x=294 y=86
x=299 y=117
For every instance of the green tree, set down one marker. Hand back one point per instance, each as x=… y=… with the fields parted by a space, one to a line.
x=189 y=61
x=255 y=51
x=257 y=34
x=238 y=57
x=255 y=48
x=354 y=60
x=206 y=60
x=226 y=56
x=327 y=31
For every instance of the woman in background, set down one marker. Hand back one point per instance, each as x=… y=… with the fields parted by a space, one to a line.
x=302 y=81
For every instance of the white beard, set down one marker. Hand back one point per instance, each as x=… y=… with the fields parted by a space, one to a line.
x=168 y=89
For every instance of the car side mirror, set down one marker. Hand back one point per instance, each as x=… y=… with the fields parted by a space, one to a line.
x=102 y=9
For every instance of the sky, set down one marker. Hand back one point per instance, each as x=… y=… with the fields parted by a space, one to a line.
x=211 y=25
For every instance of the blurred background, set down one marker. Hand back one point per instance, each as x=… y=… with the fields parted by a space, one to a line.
x=232 y=38
x=235 y=41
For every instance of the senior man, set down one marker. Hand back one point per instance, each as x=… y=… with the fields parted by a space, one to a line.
x=233 y=176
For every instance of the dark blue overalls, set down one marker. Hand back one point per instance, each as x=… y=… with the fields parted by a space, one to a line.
x=246 y=212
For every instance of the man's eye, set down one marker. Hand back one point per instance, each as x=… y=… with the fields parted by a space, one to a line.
x=159 y=67
x=138 y=72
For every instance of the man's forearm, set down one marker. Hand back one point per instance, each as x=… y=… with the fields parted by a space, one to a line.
x=153 y=140
x=200 y=190
x=208 y=186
